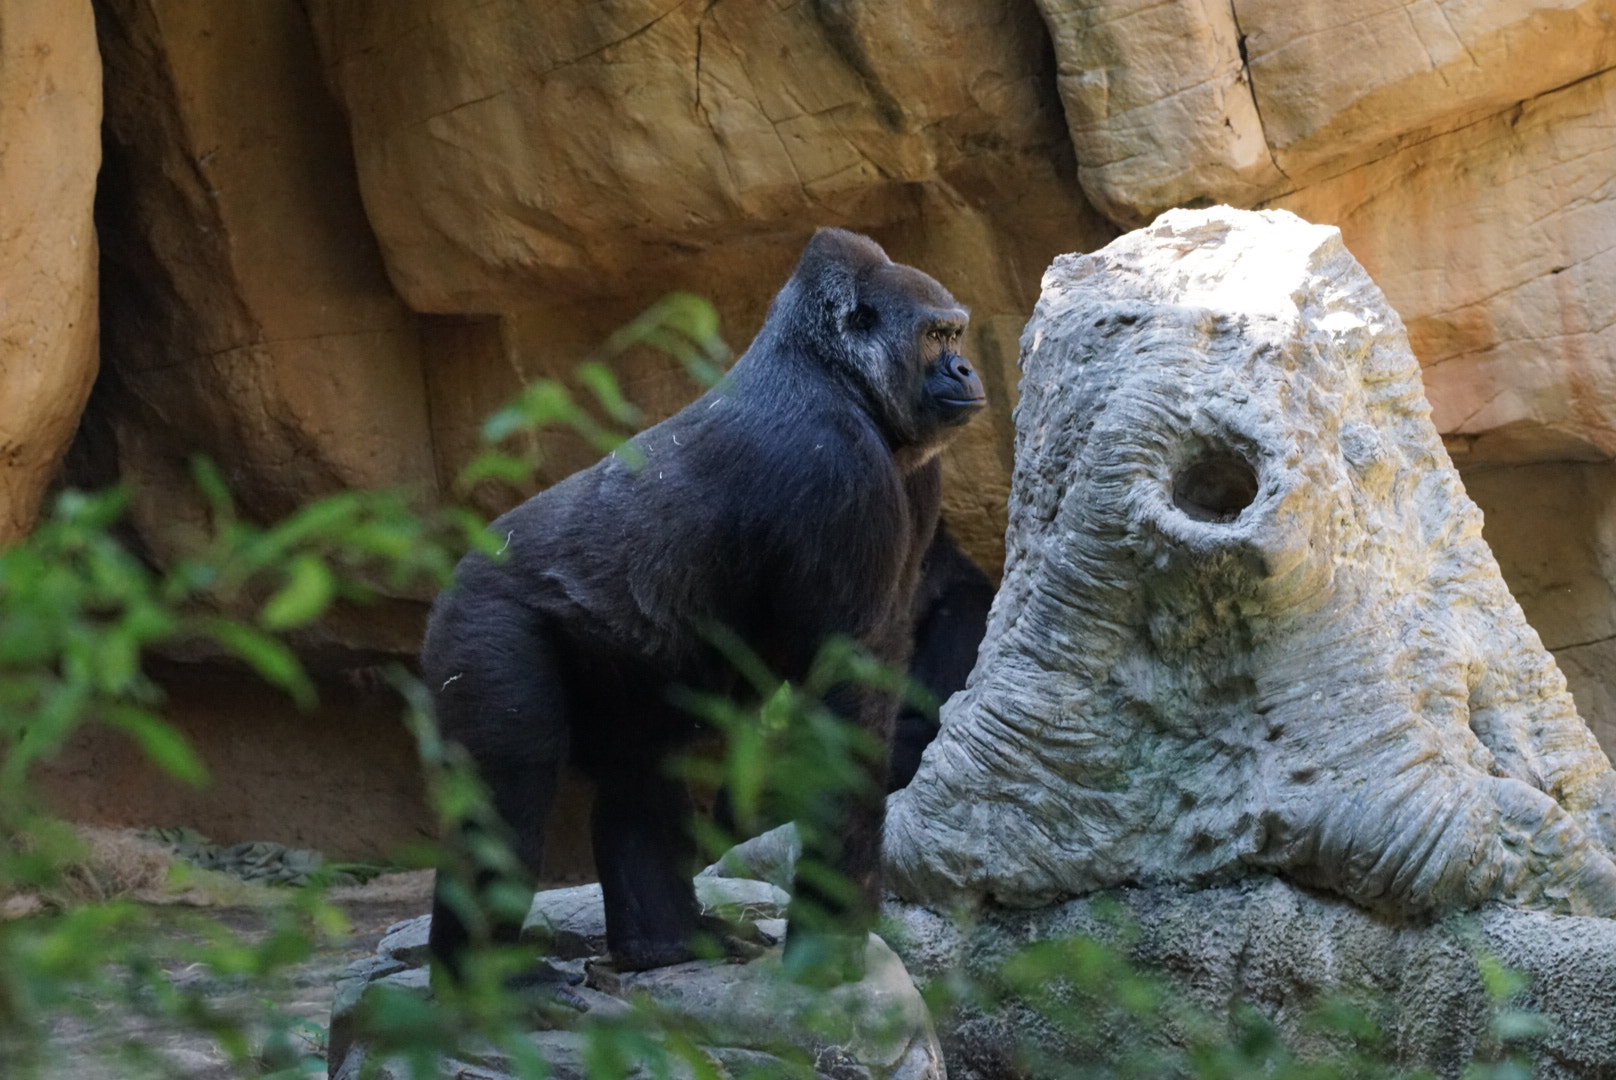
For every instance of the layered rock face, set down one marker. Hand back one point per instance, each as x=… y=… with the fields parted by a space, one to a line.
x=558 y=165
x=50 y=149
x=1460 y=148
x=1248 y=620
x=247 y=315
x=336 y=236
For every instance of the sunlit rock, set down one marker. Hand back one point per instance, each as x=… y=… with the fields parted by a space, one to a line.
x=1248 y=621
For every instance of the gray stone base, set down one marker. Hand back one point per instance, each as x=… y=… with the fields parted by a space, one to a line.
x=1286 y=952
x=745 y=1016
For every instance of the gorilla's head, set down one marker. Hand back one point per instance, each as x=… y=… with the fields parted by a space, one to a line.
x=887 y=331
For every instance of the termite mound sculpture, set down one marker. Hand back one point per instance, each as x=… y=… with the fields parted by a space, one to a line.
x=1248 y=621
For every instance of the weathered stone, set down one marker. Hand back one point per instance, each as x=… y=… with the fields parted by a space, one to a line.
x=350 y=988
x=406 y=942
x=770 y=856
x=248 y=315
x=1159 y=105
x=1552 y=526
x=1336 y=82
x=752 y=1014
x=1186 y=104
x=756 y=119
x=1287 y=952
x=1248 y=620
x=50 y=149
x=1497 y=245
x=572 y=922
x=877 y=1027
x=741 y=900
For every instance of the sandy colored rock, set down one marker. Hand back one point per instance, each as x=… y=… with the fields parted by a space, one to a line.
x=1497 y=245
x=477 y=126
x=248 y=314
x=1335 y=82
x=1196 y=103
x=1248 y=621
x=1159 y=104
x=1562 y=574
x=540 y=173
x=50 y=149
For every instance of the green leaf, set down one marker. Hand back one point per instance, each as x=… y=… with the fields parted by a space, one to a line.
x=267 y=656
x=541 y=403
x=210 y=480
x=600 y=381
x=496 y=466
x=162 y=744
x=308 y=590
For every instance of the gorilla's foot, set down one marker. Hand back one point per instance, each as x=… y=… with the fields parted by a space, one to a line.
x=714 y=938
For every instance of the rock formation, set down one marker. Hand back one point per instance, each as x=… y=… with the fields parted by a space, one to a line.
x=1290 y=954
x=336 y=236
x=248 y=316
x=746 y=1019
x=1248 y=621
x=50 y=149
x=1173 y=103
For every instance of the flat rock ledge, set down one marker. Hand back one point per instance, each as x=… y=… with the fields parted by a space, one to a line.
x=752 y=1016
x=1286 y=951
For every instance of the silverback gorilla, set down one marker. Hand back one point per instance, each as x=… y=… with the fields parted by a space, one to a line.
x=791 y=503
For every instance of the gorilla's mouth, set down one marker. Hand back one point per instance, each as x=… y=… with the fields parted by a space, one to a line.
x=952 y=411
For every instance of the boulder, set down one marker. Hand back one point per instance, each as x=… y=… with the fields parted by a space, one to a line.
x=1561 y=574
x=476 y=128
x=1158 y=101
x=50 y=150
x=1255 y=707
x=1248 y=621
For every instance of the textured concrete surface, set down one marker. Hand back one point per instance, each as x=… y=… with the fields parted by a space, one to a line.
x=1248 y=619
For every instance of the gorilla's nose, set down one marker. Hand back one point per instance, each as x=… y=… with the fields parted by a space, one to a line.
x=970 y=385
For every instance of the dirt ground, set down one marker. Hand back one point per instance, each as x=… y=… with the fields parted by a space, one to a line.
x=84 y=1049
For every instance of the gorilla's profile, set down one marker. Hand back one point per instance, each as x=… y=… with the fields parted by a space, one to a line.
x=792 y=503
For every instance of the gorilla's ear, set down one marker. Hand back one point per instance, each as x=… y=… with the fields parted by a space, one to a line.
x=830 y=266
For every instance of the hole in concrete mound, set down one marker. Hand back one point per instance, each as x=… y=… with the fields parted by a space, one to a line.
x=1215 y=488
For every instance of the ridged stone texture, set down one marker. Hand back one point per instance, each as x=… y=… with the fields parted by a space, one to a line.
x=1248 y=621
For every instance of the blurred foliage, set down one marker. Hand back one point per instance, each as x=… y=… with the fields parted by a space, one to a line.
x=79 y=611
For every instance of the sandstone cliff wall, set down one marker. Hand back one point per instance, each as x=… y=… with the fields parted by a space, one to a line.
x=335 y=235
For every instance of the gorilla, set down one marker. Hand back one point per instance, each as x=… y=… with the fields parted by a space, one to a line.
x=791 y=503
x=951 y=618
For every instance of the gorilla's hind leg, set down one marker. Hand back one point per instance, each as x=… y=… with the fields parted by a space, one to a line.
x=523 y=793
x=507 y=709
x=645 y=857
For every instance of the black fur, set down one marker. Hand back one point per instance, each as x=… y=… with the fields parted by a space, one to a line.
x=951 y=616
x=792 y=503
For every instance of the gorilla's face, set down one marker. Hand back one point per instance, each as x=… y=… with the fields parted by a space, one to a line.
x=907 y=328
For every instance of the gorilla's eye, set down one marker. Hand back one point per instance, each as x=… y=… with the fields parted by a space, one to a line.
x=862 y=319
x=1215 y=488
